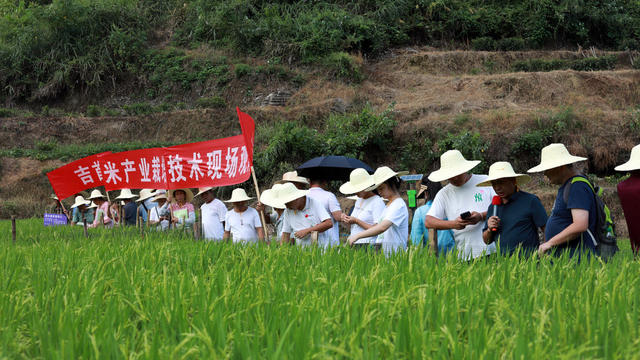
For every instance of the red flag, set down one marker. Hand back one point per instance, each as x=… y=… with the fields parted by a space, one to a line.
x=248 y=131
x=82 y=174
x=135 y=169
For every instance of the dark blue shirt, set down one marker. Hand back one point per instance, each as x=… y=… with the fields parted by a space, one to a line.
x=130 y=213
x=520 y=219
x=580 y=197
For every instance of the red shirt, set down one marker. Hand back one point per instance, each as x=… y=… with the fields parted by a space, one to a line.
x=629 y=194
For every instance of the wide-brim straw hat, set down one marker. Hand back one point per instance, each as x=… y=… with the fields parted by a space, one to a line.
x=553 y=156
x=287 y=193
x=188 y=192
x=353 y=197
x=126 y=194
x=203 y=190
x=93 y=206
x=383 y=174
x=145 y=194
x=160 y=194
x=270 y=197
x=452 y=164
x=238 y=195
x=96 y=194
x=634 y=161
x=502 y=170
x=80 y=201
x=292 y=176
x=359 y=180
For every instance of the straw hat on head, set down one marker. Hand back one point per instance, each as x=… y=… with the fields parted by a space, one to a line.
x=359 y=180
x=634 y=161
x=145 y=194
x=292 y=176
x=452 y=164
x=188 y=192
x=501 y=170
x=160 y=194
x=270 y=197
x=203 y=190
x=126 y=194
x=96 y=194
x=288 y=192
x=353 y=197
x=553 y=156
x=238 y=195
x=93 y=206
x=383 y=174
x=80 y=201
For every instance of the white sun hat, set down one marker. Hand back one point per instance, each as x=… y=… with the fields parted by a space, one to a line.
x=126 y=194
x=238 y=195
x=634 y=161
x=145 y=194
x=553 y=156
x=80 y=201
x=270 y=197
x=452 y=164
x=188 y=194
x=359 y=180
x=501 y=170
x=93 y=206
x=287 y=193
x=292 y=176
x=353 y=197
x=203 y=190
x=383 y=174
x=96 y=194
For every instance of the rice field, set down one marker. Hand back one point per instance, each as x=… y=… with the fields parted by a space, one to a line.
x=118 y=295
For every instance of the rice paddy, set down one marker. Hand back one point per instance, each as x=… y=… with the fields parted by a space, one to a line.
x=118 y=295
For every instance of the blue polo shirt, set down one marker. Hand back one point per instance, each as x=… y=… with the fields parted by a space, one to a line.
x=520 y=219
x=580 y=197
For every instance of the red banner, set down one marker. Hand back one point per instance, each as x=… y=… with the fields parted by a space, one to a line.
x=77 y=176
x=218 y=162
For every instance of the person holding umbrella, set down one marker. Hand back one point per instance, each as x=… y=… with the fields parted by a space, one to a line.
x=368 y=207
x=392 y=229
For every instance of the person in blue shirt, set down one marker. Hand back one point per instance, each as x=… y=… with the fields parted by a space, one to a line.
x=571 y=227
x=146 y=203
x=419 y=233
x=514 y=219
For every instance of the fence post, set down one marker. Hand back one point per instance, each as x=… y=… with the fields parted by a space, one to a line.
x=13 y=228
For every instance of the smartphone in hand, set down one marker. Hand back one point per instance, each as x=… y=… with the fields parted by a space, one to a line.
x=465 y=215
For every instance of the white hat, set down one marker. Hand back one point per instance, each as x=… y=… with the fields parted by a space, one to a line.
x=501 y=170
x=359 y=180
x=553 y=156
x=287 y=192
x=96 y=194
x=93 y=206
x=80 y=201
x=452 y=164
x=203 y=190
x=188 y=193
x=353 y=197
x=383 y=174
x=238 y=195
x=160 y=194
x=270 y=197
x=145 y=194
x=125 y=194
x=634 y=161
x=292 y=176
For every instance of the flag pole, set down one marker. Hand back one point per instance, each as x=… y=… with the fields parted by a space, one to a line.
x=262 y=218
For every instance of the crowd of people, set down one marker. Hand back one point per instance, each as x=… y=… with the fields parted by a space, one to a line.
x=472 y=214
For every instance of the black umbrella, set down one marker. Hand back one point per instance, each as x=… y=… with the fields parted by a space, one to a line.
x=331 y=167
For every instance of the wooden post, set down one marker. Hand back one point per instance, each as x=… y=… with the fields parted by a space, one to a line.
x=13 y=228
x=433 y=241
x=262 y=218
x=84 y=224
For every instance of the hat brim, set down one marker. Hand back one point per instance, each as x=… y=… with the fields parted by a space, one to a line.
x=448 y=173
x=300 y=180
x=146 y=197
x=628 y=166
x=544 y=166
x=293 y=196
x=349 y=188
x=126 y=197
x=269 y=199
x=232 y=200
x=161 y=196
x=96 y=197
x=202 y=192
x=384 y=179
x=521 y=179
x=188 y=192
x=75 y=205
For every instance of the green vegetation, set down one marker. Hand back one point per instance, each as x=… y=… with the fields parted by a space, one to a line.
x=606 y=62
x=116 y=295
x=211 y=102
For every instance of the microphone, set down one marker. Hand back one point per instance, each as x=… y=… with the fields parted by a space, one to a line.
x=495 y=202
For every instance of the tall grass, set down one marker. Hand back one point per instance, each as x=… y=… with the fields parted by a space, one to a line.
x=118 y=295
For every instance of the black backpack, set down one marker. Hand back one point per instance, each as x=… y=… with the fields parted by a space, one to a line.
x=604 y=239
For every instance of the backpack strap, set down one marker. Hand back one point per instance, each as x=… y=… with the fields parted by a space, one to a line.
x=565 y=196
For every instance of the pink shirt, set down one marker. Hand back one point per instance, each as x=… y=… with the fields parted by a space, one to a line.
x=105 y=211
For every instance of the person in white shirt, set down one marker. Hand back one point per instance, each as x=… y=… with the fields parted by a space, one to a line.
x=159 y=214
x=462 y=201
x=305 y=221
x=277 y=215
x=368 y=207
x=392 y=229
x=242 y=223
x=212 y=213
x=328 y=200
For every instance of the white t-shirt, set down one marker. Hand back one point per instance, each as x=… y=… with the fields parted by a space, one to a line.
x=330 y=203
x=213 y=214
x=243 y=225
x=154 y=215
x=396 y=236
x=368 y=210
x=452 y=201
x=312 y=214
